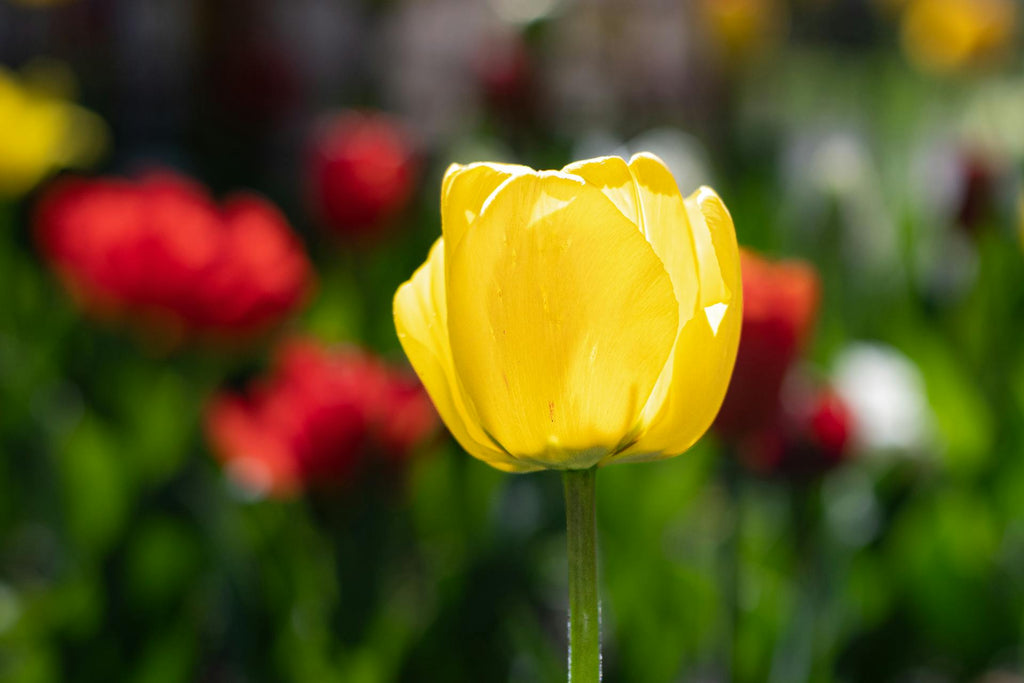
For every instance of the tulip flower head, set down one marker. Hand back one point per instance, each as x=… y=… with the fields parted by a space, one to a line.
x=945 y=36
x=573 y=318
x=361 y=172
x=812 y=435
x=776 y=421
x=742 y=28
x=317 y=418
x=160 y=252
x=780 y=303
x=41 y=132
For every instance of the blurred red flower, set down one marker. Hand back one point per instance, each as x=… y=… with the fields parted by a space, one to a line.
x=160 y=251
x=797 y=429
x=361 y=173
x=780 y=300
x=317 y=419
x=811 y=436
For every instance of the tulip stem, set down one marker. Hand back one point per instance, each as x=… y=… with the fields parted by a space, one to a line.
x=584 y=606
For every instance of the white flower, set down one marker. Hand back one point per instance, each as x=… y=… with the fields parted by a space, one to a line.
x=886 y=393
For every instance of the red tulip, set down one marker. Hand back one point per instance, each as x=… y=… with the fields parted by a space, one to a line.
x=810 y=437
x=802 y=431
x=361 y=172
x=779 y=305
x=317 y=419
x=830 y=425
x=160 y=251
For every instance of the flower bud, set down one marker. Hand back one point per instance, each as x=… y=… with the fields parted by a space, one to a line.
x=573 y=318
x=946 y=36
x=361 y=172
x=41 y=132
x=811 y=436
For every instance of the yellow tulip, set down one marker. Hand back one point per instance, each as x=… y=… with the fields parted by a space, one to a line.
x=744 y=28
x=573 y=318
x=41 y=132
x=945 y=36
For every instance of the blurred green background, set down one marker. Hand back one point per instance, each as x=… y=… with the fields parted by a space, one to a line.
x=880 y=141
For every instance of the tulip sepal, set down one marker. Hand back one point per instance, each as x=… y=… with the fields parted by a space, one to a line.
x=584 y=605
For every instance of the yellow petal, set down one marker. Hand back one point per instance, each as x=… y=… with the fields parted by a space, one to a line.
x=645 y=192
x=665 y=222
x=705 y=351
x=421 y=321
x=464 y=191
x=610 y=175
x=561 y=318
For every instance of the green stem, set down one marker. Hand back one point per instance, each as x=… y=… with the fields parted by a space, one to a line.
x=584 y=609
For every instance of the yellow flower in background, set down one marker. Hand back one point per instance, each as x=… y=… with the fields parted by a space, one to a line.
x=41 y=131
x=949 y=35
x=742 y=28
x=574 y=318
